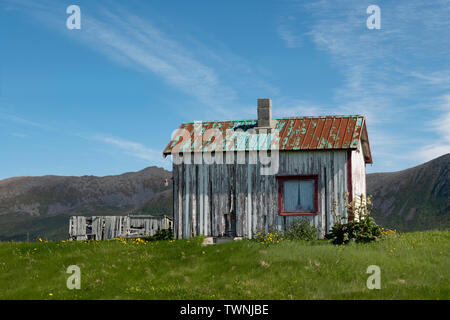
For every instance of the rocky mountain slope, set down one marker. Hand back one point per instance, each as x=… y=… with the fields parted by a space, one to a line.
x=413 y=199
x=54 y=195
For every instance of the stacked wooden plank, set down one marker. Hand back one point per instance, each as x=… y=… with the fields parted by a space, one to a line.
x=110 y=227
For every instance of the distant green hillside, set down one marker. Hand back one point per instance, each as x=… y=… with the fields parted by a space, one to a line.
x=32 y=207
x=23 y=227
x=414 y=199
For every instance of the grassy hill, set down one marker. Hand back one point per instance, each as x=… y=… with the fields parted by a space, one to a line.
x=413 y=266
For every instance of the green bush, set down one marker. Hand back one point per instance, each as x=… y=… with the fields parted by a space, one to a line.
x=365 y=230
x=164 y=234
x=300 y=229
x=360 y=227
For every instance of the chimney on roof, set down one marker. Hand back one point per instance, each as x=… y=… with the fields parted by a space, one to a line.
x=265 y=114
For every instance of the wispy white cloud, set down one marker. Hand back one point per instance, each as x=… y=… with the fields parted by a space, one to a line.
x=18 y=135
x=10 y=117
x=135 y=149
x=290 y=36
x=392 y=75
x=440 y=78
x=440 y=129
x=150 y=49
x=296 y=108
x=375 y=62
x=285 y=107
x=126 y=38
x=188 y=65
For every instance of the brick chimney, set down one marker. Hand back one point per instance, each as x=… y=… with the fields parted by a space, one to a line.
x=265 y=114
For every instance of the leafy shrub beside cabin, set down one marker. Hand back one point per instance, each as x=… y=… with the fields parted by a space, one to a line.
x=164 y=234
x=360 y=227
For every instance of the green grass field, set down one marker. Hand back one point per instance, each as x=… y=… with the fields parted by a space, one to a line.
x=413 y=266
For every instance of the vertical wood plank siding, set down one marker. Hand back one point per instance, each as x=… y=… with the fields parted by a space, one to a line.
x=205 y=194
x=358 y=174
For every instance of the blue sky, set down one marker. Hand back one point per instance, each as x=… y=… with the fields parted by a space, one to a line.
x=105 y=99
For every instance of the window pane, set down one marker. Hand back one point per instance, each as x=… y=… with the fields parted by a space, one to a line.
x=298 y=195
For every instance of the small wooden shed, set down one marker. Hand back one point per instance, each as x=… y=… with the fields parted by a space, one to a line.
x=221 y=187
x=110 y=227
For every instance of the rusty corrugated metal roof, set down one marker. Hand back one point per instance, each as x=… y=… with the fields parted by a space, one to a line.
x=295 y=134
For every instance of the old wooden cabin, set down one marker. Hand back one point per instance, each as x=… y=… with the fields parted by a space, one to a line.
x=235 y=178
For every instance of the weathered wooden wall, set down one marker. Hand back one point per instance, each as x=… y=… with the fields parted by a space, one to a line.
x=110 y=227
x=358 y=173
x=205 y=195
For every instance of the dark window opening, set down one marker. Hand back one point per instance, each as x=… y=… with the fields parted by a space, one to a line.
x=298 y=195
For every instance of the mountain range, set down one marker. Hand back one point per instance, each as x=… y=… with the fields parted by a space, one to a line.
x=413 y=199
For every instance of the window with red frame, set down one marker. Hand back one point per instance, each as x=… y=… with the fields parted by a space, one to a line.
x=298 y=195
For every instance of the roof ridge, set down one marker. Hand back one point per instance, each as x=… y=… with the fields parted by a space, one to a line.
x=282 y=118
